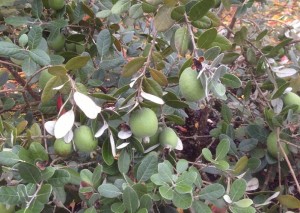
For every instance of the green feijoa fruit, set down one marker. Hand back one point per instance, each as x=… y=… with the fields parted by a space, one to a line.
x=191 y=87
x=84 y=139
x=56 y=4
x=143 y=123
x=168 y=138
x=57 y=43
x=292 y=98
x=272 y=146
x=62 y=148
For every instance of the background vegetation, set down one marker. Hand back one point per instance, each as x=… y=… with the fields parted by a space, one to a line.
x=149 y=106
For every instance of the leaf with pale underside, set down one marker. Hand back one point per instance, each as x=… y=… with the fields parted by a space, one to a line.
x=152 y=98
x=101 y=130
x=87 y=105
x=64 y=124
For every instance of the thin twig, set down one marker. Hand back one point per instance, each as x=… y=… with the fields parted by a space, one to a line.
x=190 y=29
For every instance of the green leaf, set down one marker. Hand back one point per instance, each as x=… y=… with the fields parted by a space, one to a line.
x=222 y=165
x=118 y=207
x=29 y=66
x=60 y=178
x=175 y=119
x=109 y=190
x=16 y=21
x=166 y=192
x=29 y=173
x=200 y=9
x=103 y=14
x=133 y=66
x=86 y=176
x=226 y=113
x=236 y=209
x=8 y=48
x=106 y=153
x=163 y=20
x=207 y=154
x=231 y=80
x=251 y=56
x=34 y=37
x=44 y=193
x=38 y=152
x=49 y=92
x=206 y=38
x=274 y=50
x=130 y=200
x=183 y=201
x=136 y=11
x=8 y=158
x=200 y=207
x=3 y=78
x=124 y=161
x=222 y=149
x=244 y=203
x=212 y=192
x=9 y=195
x=159 y=77
x=47 y=173
x=261 y=35
x=289 y=201
x=178 y=13
x=182 y=39
x=182 y=165
x=212 y=53
x=58 y=70
x=198 y=181
x=90 y=210
x=147 y=167
x=238 y=189
x=258 y=132
x=240 y=165
x=152 y=87
x=37 y=8
x=165 y=172
x=247 y=145
x=103 y=42
x=77 y=62
x=120 y=7
x=97 y=175
x=185 y=182
x=146 y=202
x=40 y=57
x=280 y=91
x=222 y=42
x=230 y=57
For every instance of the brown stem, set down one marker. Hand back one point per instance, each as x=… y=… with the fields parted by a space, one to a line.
x=19 y=79
x=232 y=23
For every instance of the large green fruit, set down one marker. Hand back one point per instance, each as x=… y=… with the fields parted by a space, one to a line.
x=143 y=123
x=56 y=4
x=292 y=98
x=272 y=146
x=168 y=138
x=84 y=139
x=62 y=148
x=3 y=208
x=45 y=76
x=191 y=87
x=57 y=43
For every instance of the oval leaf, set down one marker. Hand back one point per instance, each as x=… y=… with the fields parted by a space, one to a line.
x=133 y=66
x=64 y=124
x=87 y=105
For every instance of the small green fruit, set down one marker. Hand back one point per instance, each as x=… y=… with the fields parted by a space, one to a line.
x=143 y=123
x=71 y=47
x=292 y=98
x=84 y=139
x=56 y=4
x=79 y=48
x=57 y=43
x=23 y=40
x=62 y=148
x=168 y=138
x=272 y=147
x=45 y=76
x=3 y=208
x=191 y=87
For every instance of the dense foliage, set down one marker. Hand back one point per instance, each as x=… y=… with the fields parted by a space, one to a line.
x=147 y=106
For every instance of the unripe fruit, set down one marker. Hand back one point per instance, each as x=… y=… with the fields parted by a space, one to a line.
x=45 y=76
x=292 y=98
x=191 y=87
x=168 y=138
x=3 y=208
x=143 y=123
x=56 y=4
x=272 y=146
x=84 y=139
x=57 y=43
x=62 y=148
x=71 y=47
x=23 y=40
